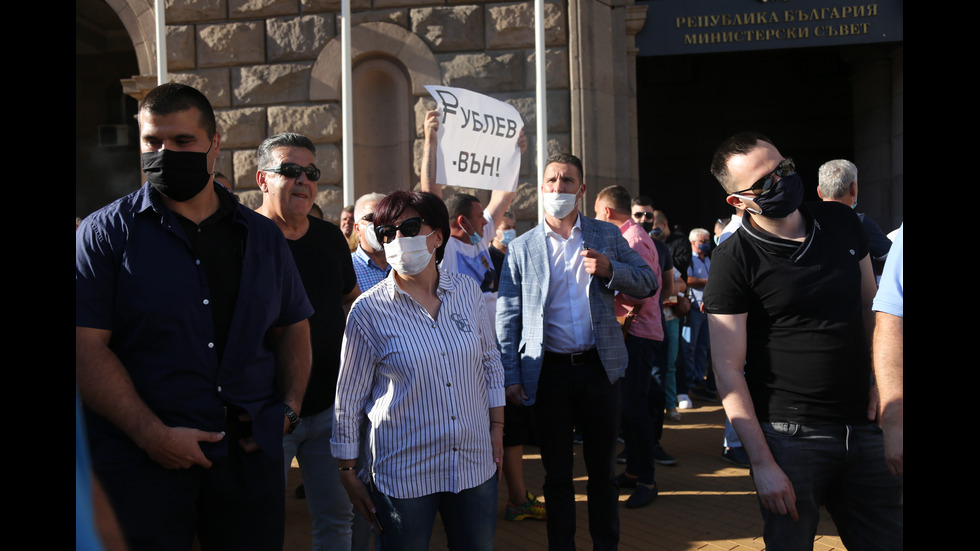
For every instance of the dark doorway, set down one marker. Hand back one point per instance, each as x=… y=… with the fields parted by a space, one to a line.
x=106 y=149
x=686 y=105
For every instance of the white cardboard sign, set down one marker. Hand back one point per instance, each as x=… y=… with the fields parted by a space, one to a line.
x=477 y=140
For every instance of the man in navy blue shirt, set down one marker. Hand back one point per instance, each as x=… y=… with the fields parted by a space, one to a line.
x=192 y=349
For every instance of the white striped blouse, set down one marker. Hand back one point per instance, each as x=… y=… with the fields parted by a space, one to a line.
x=426 y=387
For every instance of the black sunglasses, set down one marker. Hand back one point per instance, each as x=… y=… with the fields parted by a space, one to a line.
x=369 y=217
x=293 y=170
x=785 y=168
x=642 y=214
x=409 y=228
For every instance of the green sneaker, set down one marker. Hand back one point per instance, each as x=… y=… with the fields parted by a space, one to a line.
x=532 y=509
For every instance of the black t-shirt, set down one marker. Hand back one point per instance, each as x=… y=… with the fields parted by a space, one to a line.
x=324 y=263
x=807 y=356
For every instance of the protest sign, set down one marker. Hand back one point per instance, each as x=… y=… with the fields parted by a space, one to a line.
x=477 y=140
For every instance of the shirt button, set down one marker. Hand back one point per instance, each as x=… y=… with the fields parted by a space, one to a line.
x=455 y=449
x=453 y=417
x=206 y=302
x=198 y=262
x=449 y=384
x=443 y=353
x=219 y=388
x=433 y=326
x=210 y=345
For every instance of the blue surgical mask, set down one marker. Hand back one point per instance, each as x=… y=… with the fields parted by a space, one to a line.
x=704 y=247
x=475 y=239
x=508 y=236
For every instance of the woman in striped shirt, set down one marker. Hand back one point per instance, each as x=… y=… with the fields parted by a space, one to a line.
x=420 y=366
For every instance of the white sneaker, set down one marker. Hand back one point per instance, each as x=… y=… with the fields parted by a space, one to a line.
x=684 y=402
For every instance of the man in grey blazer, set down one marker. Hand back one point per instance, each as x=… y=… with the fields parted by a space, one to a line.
x=562 y=348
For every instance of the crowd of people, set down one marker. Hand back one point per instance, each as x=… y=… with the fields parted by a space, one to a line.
x=407 y=356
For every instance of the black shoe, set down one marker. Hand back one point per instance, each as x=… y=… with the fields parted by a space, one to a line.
x=625 y=481
x=703 y=394
x=641 y=496
x=300 y=492
x=660 y=456
x=736 y=455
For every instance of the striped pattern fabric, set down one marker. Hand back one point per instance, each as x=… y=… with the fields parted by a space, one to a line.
x=424 y=387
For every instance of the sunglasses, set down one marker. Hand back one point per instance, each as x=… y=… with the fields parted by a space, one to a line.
x=369 y=217
x=409 y=228
x=643 y=214
x=293 y=170
x=785 y=168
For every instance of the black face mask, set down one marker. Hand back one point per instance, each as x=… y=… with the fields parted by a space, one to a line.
x=647 y=226
x=179 y=175
x=785 y=197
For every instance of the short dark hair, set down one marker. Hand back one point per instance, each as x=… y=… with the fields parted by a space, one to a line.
x=348 y=208
x=641 y=200
x=460 y=204
x=739 y=144
x=174 y=97
x=285 y=139
x=616 y=197
x=568 y=159
x=430 y=207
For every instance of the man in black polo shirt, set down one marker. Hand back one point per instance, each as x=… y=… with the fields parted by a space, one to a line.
x=288 y=179
x=789 y=304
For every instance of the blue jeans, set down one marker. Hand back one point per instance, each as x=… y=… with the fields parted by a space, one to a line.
x=696 y=351
x=470 y=518
x=672 y=336
x=330 y=509
x=841 y=467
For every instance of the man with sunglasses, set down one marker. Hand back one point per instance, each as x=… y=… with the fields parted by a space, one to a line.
x=288 y=179
x=789 y=303
x=192 y=347
x=562 y=347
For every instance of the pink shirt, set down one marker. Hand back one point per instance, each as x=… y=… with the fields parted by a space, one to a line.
x=647 y=324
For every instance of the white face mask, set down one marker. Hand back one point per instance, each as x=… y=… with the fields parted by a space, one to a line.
x=372 y=238
x=559 y=205
x=408 y=255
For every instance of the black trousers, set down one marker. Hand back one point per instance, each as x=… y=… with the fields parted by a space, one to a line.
x=581 y=396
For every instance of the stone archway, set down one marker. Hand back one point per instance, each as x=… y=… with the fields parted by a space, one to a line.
x=391 y=67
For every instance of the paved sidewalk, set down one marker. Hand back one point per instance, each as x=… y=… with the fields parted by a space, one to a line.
x=705 y=503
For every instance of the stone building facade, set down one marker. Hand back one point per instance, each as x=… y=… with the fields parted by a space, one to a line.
x=270 y=66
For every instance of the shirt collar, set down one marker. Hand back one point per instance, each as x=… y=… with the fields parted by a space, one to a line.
x=446 y=285
x=552 y=233
x=776 y=246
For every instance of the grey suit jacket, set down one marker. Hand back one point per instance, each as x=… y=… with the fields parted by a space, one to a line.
x=522 y=311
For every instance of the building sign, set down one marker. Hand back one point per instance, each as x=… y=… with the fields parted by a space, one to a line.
x=675 y=27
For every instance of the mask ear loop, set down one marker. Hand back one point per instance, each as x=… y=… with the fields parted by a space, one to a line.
x=744 y=198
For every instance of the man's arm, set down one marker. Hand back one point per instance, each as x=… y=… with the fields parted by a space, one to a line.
x=889 y=367
x=509 y=326
x=728 y=345
x=868 y=289
x=294 y=359
x=106 y=388
x=627 y=271
x=429 y=146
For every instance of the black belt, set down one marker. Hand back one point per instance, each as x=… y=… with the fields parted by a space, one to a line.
x=576 y=358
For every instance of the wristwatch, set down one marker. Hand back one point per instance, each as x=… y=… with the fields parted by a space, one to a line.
x=293 y=418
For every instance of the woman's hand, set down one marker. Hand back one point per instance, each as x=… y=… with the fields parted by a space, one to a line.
x=497 y=444
x=358 y=494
